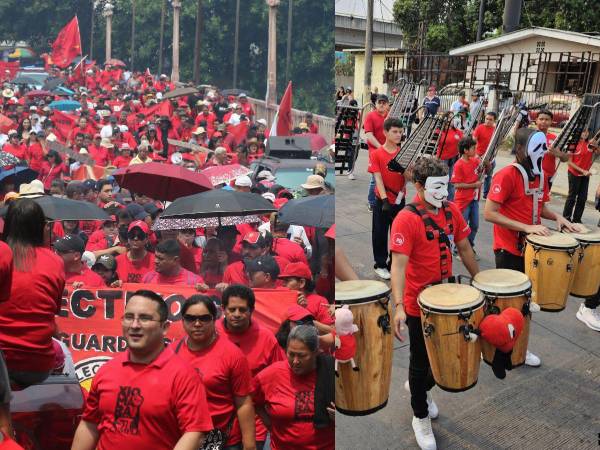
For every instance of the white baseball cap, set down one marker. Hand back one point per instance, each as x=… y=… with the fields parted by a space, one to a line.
x=243 y=181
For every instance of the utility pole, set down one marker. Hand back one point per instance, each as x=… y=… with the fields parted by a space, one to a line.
x=288 y=56
x=368 y=53
x=175 y=64
x=108 y=14
x=163 y=13
x=197 y=42
x=132 y=33
x=272 y=56
x=480 y=20
x=236 y=43
x=92 y=31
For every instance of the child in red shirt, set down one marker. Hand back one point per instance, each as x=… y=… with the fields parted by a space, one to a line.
x=466 y=181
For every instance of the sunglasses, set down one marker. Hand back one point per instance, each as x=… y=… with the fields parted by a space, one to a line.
x=204 y=318
x=307 y=321
x=138 y=236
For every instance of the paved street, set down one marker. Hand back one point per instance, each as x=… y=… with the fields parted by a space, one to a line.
x=555 y=406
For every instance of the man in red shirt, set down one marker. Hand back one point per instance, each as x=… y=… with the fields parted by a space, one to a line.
x=13 y=146
x=263 y=272
x=580 y=163
x=373 y=126
x=483 y=135
x=131 y=266
x=517 y=203
x=168 y=270
x=70 y=248
x=257 y=343
x=312 y=127
x=448 y=151
x=417 y=262
x=390 y=194
x=146 y=397
x=543 y=122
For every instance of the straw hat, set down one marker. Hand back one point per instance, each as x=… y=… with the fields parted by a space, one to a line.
x=106 y=143
x=31 y=190
x=314 y=182
x=8 y=93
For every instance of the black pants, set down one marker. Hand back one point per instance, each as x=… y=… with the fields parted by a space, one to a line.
x=593 y=302
x=420 y=377
x=506 y=260
x=578 y=192
x=381 y=225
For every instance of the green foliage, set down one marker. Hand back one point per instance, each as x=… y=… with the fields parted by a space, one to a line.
x=452 y=23
x=312 y=61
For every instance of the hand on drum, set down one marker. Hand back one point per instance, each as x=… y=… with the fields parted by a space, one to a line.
x=540 y=230
x=565 y=224
x=399 y=320
x=331 y=411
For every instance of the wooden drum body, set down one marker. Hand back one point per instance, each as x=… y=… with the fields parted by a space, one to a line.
x=551 y=263
x=587 y=276
x=505 y=288
x=362 y=392
x=449 y=312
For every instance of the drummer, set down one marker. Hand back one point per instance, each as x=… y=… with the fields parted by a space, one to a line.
x=512 y=210
x=421 y=256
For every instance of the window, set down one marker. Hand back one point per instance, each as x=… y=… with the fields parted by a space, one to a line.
x=540 y=46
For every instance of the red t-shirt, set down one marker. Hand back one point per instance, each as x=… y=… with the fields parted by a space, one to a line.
x=19 y=150
x=465 y=172
x=183 y=278
x=97 y=241
x=316 y=305
x=408 y=238
x=508 y=190
x=289 y=400
x=583 y=157
x=27 y=317
x=9 y=444
x=235 y=273
x=121 y=161
x=261 y=349
x=288 y=251
x=450 y=139
x=347 y=347
x=130 y=271
x=146 y=405
x=35 y=156
x=99 y=155
x=225 y=375
x=6 y=271
x=394 y=182
x=87 y=276
x=374 y=123
x=549 y=161
x=483 y=134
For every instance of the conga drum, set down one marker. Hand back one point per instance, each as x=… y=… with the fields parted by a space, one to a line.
x=587 y=276
x=550 y=264
x=449 y=312
x=362 y=392
x=505 y=288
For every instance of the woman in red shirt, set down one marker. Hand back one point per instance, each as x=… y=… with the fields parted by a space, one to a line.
x=214 y=261
x=27 y=317
x=286 y=399
x=52 y=168
x=223 y=369
x=35 y=152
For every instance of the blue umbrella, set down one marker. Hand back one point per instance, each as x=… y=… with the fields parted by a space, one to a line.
x=65 y=105
x=61 y=90
x=18 y=175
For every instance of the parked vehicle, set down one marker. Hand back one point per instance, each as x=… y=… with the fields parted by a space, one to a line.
x=559 y=104
x=290 y=173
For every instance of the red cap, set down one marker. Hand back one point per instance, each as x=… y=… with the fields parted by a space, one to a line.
x=296 y=270
x=217 y=134
x=297 y=312
x=139 y=224
x=279 y=202
x=252 y=237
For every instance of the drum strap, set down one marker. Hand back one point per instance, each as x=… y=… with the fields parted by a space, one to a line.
x=433 y=231
x=536 y=193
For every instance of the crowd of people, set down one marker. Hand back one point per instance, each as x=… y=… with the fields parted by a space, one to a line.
x=441 y=222
x=230 y=382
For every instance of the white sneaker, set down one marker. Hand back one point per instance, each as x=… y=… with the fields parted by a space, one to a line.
x=383 y=273
x=532 y=360
x=424 y=433
x=351 y=176
x=591 y=317
x=434 y=412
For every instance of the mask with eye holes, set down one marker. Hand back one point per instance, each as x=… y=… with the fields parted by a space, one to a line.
x=536 y=148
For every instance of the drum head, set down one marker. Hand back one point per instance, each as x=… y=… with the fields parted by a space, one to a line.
x=589 y=236
x=555 y=240
x=501 y=281
x=449 y=297
x=359 y=291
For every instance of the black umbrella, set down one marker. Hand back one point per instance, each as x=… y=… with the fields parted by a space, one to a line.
x=235 y=92
x=56 y=208
x=180 y=92
x=313 y=211
x=52 y=83
x=218 y=203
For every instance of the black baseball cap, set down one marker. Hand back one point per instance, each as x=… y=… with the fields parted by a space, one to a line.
x=264 y=263
x=69 y=243
x=383 y=98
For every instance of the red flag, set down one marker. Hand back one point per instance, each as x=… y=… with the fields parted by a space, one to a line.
x=6 y=124
x=67 y=44
x=282 y=124
x=11 y=66
x=63 y=123
x=237 y=132
x=163 y=108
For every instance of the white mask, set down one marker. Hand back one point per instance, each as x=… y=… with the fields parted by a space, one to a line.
x=436 y=190
x=536 y=147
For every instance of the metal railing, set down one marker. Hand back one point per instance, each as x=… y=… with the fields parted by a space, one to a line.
x=326 y=124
